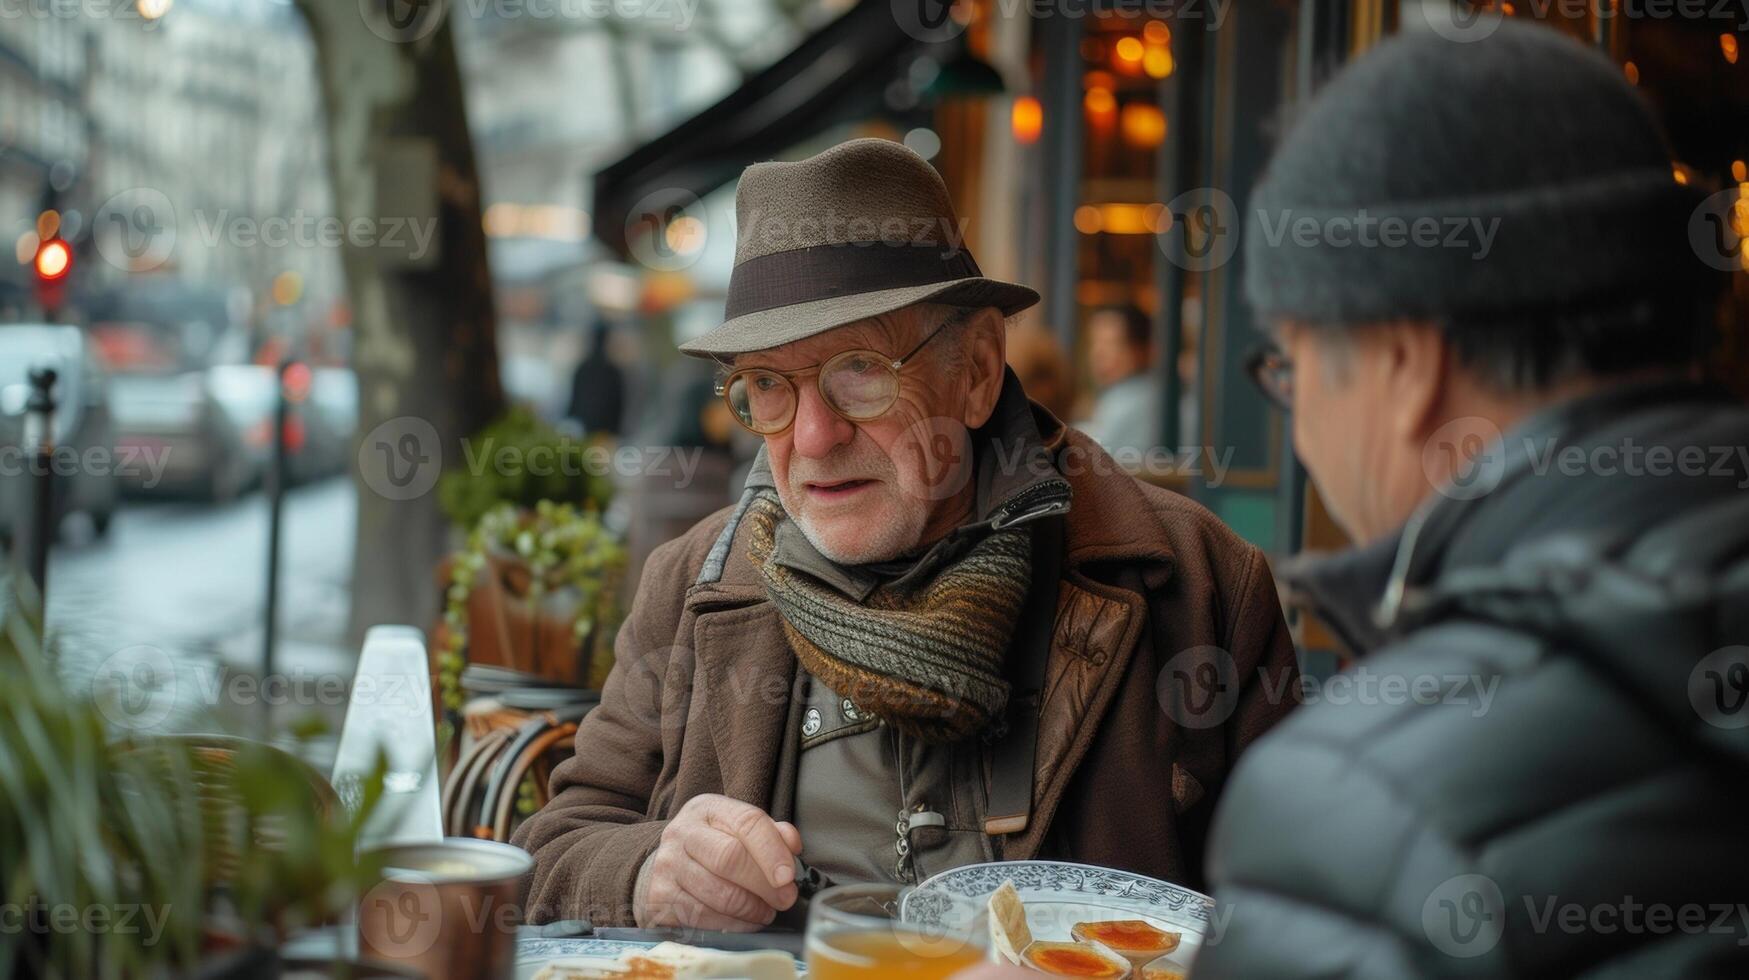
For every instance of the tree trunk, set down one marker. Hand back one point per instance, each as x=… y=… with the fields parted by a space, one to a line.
x=407 y=194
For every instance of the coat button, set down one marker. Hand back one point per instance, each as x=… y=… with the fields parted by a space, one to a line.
x=811 y=723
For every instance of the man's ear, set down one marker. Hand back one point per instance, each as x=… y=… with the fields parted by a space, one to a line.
x=1416 y=361
x=986 y=352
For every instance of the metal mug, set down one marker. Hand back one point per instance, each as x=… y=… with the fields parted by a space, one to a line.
x=447 y=909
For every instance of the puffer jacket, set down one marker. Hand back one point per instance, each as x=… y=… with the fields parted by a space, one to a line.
x=1541 y=768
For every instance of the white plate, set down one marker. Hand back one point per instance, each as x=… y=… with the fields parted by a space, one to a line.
x=1057 y=895
x=532 y=954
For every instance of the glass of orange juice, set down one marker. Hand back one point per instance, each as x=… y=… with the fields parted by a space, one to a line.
x=854 y=933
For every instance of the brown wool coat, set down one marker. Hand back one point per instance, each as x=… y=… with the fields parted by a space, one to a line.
x=700 y=699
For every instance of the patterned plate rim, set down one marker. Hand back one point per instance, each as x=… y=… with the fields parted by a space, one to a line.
x=930 y=900
x=540 y=951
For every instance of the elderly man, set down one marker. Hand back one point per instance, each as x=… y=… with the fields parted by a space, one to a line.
x=1549 y=776
x=935 y=630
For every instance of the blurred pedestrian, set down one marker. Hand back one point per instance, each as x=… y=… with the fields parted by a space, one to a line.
x=1540 y=766
x=1120 y=354
x=598 y=388
x=1038 y=361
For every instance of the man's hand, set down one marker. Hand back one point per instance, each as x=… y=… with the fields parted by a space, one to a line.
x=995 y=971
x=722 y=865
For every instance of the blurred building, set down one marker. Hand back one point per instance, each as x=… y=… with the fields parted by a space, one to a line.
x=185 y=146
x=554 y=92
x=45 y=131
x=1102 y=151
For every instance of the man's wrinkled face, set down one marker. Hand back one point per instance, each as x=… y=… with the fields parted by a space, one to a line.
x=875 y=490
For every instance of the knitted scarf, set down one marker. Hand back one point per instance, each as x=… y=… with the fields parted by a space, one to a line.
x=927 y=660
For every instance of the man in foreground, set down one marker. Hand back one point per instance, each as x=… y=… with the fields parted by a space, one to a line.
x=1589 y=565
x=931 y=632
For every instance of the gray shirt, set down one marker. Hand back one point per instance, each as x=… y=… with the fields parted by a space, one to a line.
x=858 y=782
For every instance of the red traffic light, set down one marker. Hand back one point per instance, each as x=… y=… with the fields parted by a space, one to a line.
x=53 y=259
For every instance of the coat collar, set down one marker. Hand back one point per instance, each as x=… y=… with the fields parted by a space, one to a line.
x=1367 y=594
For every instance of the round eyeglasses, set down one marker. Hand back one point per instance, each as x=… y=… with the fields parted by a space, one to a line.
x=859 y=385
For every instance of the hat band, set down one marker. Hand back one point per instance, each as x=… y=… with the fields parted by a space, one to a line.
x=803 y=275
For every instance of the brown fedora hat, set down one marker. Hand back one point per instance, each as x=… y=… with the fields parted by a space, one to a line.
x=858 y=230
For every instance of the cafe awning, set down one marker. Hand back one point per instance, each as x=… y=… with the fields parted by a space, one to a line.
x=839 y=73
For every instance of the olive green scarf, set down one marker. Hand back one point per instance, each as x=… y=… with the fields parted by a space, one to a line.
x=925 y=657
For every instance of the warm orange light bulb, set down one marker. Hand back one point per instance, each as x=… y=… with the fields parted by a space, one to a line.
x=1026 y=119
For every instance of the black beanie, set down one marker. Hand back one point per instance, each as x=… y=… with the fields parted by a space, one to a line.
x=1434 y=178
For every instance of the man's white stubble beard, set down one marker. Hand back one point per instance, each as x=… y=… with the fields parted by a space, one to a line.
x=882 y=541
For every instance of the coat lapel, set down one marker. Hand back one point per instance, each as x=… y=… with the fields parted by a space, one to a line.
x=746 y=675
x=1112 y=558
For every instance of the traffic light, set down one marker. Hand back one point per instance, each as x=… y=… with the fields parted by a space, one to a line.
x=53 y=259
x=54 y=262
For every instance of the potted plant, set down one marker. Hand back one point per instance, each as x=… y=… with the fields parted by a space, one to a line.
x=149 y=856
x=535 y=586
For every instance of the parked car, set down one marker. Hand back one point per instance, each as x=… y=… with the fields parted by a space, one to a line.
x=86 y=470
x=210 y=426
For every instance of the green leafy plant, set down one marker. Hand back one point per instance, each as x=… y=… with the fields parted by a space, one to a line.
x=564 y=547
x=143 y=856
x=521 y=460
